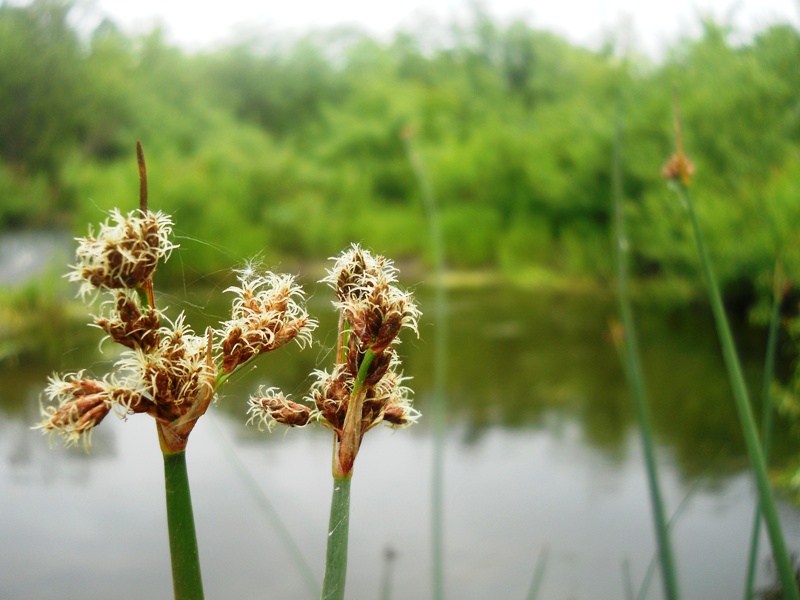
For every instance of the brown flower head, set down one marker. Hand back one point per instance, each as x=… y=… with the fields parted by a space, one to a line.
x=388 y=401
x=366 y=294
x=176 y=381
x=678 y=168
x=330 y=394
x=123 y=254
x=267 y=313
x=270 y=406
x=127 y=324
x=364 y=388
x=81 y=403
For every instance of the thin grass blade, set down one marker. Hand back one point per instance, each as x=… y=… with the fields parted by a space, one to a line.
x=766 y=416
x=338 y=531
x=742 y=402
x=438 y=407
x=538 y=574
x=633 y=371
x=186 y=578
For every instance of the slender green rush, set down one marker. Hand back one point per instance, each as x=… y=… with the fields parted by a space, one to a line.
x=186 y=579
x=338 y=530
x=440 y=366
x=626 y=579
x=651 y=567
x=766 y=416
x=635 y=376
x=538 y=574
x=386 y=585
x=282 y=530
x=742 y=401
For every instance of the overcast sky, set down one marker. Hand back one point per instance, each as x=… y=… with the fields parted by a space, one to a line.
x=195 y=25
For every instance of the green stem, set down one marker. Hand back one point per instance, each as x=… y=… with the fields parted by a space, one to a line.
x=346 y=450
x=651 y=567
x=538 y=574
x=388 y=564
x=626 y=580
x=766 y=418
x=742 y=401
x=635 y=376
x=338 y=527
x=363 y=370
x=186 y=579
x=439 y=404
x=269 y=510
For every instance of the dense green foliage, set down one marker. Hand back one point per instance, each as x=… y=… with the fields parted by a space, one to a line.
x=292 y=148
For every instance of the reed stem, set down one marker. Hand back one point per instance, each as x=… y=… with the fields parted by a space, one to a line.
x=439 y=404
x=186 y=579
x=338 y=529
x=538 y=574
x=633 y=371
x=742 y=401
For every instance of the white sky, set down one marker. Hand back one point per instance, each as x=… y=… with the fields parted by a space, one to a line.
x=194 y=24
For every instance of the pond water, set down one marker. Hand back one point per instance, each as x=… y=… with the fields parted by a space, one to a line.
x=25 y=253
x=541 y=452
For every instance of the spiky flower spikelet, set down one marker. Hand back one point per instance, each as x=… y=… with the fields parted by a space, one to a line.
x=267 y=312
x=177 y=380
x=270 y=406
x=81 y=403
x=123 y=254
x=166 y=370
x=174 y=383
x=127 y=323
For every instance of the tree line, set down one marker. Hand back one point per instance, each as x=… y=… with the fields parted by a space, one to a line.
x=293 y=147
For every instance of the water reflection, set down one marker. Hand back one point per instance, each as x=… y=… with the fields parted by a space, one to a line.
x=541 y=450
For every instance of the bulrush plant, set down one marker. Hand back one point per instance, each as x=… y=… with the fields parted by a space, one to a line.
x=363 y=389
x=165 y=370
x=678 y=172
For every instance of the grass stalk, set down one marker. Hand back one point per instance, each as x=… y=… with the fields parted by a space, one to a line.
x=388 y=566
x=438 y=407
x=186 y=579
x=270 y=512
x=651 y=567
x=338 y=529
x=766 y=417
x=635 y=376
x=742 y=402
x=538 y=574
x=627 y=581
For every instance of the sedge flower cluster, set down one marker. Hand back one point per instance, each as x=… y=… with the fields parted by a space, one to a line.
x=365 y=386
x=123 y=254
x=268 y=312
x=166 y=370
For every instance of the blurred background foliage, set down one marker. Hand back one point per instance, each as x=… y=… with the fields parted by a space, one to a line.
x=291 y=148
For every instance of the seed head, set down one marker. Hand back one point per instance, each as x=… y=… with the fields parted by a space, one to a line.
x=395 y=401
x=367 y=296
x=270 y=406
x=387 y=401
x=123 y=254
x=268 y=312
x=364 y=388
x=678 y=168
x=330 y=394
x=127 y=324
x=173 y=376
x=356 y=272
x=81 y=403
